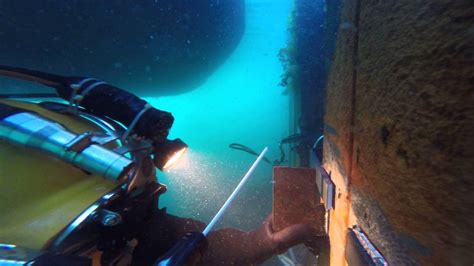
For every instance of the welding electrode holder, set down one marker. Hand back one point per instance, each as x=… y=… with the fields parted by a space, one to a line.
x=190 y=248
x=184 y=250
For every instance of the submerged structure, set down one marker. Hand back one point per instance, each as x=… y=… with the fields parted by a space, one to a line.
x=170 y=46
x=398 y=133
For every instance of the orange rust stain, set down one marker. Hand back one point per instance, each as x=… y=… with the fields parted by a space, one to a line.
x=341 y=218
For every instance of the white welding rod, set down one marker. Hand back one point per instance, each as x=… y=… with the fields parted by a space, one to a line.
x=236 y=191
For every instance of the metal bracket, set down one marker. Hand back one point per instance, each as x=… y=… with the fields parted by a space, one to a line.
x=108 y=218
x=103 y=138
x=80 y=142
x=325 y=185
x=133 y=146
x=86 y=139
x=360 y=251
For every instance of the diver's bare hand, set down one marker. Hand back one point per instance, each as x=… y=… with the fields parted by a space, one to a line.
x=234 y=247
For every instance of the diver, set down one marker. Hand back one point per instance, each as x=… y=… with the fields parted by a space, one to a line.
x=228 y=246
x=137 y=221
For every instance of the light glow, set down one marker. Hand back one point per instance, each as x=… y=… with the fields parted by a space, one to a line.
x=7 y=246
x=175 y=158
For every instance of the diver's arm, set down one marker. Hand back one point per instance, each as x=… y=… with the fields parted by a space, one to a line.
x=228 y=246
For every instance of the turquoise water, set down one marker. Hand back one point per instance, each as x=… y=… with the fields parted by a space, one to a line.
x=240 y=102
x=228 y=74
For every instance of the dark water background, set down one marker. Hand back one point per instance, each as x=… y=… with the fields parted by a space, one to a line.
x=150 y=47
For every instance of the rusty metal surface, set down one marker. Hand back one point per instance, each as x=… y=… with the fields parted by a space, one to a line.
x=295 y=199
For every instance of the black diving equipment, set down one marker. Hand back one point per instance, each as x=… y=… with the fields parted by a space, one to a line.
x=180 y=253
x=187 y=250
x=105 y=100
x=26 y=128
x=101 y=99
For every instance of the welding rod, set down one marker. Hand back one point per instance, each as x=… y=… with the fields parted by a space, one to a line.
x=184 y=247
x=236 y=191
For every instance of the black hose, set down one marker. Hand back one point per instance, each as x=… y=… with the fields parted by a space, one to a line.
x=288 y=140
x=27 y=95
x=237 y=146
x=47 y=79
x=103 y=100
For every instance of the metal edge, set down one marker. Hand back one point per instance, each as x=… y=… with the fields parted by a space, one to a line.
x=55 y=243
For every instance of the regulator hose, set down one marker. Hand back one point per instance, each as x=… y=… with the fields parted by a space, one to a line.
x=237 y=146
x=288 y=140
x=101 y=99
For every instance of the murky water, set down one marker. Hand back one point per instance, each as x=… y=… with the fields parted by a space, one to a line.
x=240 y=96
x=241 y=102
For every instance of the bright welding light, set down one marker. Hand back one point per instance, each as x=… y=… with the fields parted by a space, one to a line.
x=175 y=159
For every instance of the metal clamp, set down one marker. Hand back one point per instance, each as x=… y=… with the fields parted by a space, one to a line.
x=76 y=98
x=108 y=218
x=135 y=121
x=80 y=142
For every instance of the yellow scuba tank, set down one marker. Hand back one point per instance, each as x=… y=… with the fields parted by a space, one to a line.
x=41 y=195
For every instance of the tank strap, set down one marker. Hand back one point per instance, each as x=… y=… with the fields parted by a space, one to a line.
x=135 y=121
x=76 y=97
